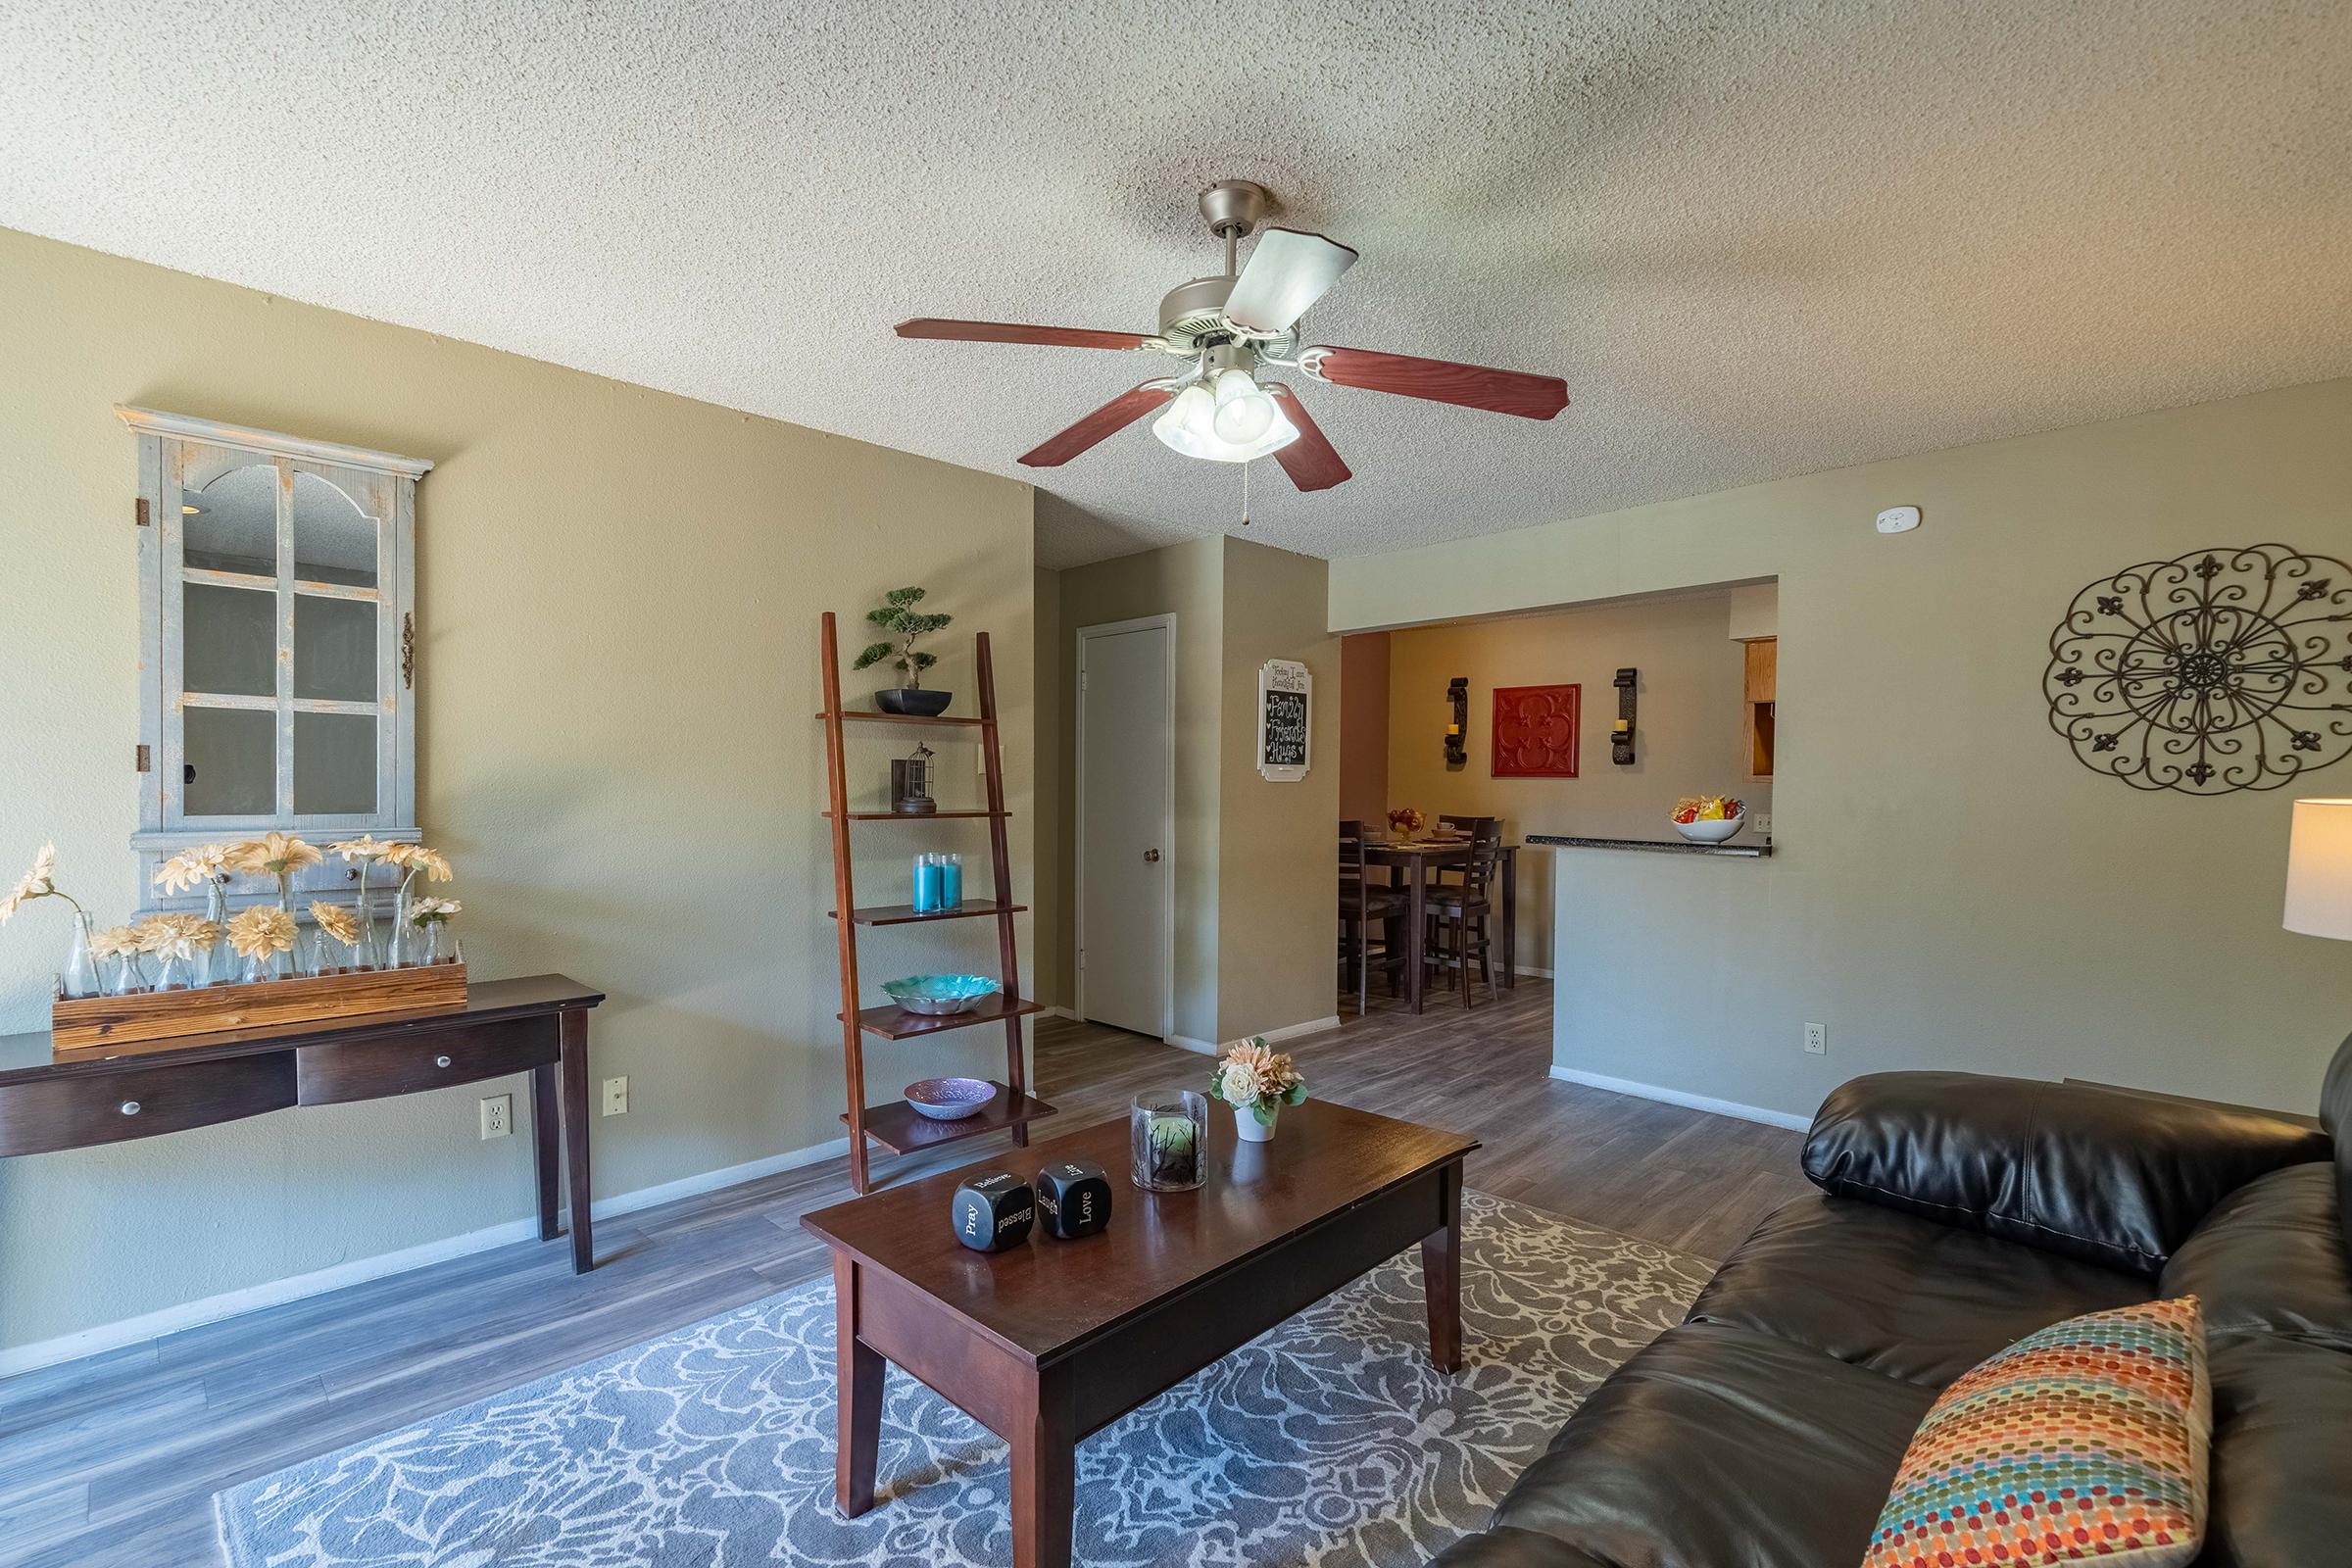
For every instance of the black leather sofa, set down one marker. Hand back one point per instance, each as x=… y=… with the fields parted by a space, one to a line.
x=1957 y=1215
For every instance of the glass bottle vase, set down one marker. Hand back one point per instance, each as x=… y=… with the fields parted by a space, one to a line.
x=406 y=942
x=79 y=976
x=369 y=953
x=120 y=975
x=217 y=965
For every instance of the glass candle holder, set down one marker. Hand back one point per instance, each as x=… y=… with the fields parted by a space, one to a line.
x=1168 y=1140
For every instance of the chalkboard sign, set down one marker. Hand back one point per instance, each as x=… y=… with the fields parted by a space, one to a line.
x=1284 y=694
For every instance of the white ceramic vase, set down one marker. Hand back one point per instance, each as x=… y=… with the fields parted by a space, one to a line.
x=1248 y=1129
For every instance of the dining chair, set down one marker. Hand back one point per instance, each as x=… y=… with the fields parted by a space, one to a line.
x=1461 y=914
x=1451 y=876
x=1362 y=907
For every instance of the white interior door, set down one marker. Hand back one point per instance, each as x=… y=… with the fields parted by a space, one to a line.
x=1126 y=809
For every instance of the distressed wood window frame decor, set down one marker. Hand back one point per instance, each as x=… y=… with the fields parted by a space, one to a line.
x=179 y=457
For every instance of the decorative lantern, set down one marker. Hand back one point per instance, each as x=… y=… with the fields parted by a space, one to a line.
x=910 y=784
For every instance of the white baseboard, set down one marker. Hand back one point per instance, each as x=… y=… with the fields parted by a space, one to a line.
x=1272 y=1036
x=1062 y=1013
x=1313 y=1026
x=1529 y=968
x=276 y=1293
x=1676 y=1096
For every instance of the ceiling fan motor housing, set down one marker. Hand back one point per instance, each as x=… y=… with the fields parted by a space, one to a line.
x=1233 y=208
x=1192 y=318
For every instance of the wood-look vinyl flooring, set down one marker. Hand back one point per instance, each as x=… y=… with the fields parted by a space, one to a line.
x=112 y=1460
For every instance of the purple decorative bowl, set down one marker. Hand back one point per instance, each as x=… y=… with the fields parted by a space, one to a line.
x=951 y=1098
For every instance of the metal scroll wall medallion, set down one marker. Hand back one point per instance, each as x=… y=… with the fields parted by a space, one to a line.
x=2219 y=670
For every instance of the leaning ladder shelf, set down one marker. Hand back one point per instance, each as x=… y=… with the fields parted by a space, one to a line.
x=898 y=1126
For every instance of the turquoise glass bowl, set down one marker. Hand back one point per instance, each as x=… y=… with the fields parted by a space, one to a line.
x=940 y=994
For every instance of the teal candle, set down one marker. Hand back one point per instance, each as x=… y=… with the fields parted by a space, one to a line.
x=926 y=884
x=951 y=883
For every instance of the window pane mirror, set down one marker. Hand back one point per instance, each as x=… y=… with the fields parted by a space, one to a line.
x=278 y=666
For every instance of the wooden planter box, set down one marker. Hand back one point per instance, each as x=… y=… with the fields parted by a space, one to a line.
x=89 y=1023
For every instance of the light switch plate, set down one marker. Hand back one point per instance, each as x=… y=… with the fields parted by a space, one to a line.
x=616 y=1096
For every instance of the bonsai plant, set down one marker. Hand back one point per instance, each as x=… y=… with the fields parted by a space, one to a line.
x=900 y=618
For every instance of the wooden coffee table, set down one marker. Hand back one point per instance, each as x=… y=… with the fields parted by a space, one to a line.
x=1051 y=1341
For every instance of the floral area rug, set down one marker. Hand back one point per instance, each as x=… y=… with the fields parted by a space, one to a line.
x=1328 y=1441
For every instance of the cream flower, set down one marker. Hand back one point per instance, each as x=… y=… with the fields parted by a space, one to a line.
x=191 y=869
x=39 y=883
x=262 y=930
x=177 y=936
x=336 y=921
x=364 y=848
x=416 y=857
x=432 y=911
x=115 y=941
x=1253 y=1075
x=277 y=854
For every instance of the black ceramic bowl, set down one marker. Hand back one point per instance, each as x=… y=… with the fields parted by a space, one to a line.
x=915 y=699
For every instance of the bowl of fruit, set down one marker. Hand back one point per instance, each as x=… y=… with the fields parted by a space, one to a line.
x=1708 y=819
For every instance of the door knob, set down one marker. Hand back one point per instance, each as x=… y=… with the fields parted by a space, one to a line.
x=1152 y=856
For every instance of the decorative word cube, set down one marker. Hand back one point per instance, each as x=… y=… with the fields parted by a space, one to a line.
x=994 y=1212
x=1074 y=1198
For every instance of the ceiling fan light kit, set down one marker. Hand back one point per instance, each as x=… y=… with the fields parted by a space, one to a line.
x=1233 y=325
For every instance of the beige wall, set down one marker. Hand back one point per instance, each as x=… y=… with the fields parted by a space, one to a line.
x=1255 y=862
x=618 y=604
x=1051 y=917
x=1186 y=581
x=1364 y=728
x=1278 y=897
x=1951 y=888
x=1686 y=737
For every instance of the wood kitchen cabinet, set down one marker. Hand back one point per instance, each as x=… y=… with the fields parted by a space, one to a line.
x=1757 y=709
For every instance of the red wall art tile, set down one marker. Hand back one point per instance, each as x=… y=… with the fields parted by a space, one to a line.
x=1535 y=731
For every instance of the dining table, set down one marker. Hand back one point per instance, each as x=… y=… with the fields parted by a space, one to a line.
x=1410 y=862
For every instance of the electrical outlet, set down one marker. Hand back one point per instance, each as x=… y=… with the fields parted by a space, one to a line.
x=1816 y=1039
x=616 y=1096
x=1763 y=824
x=498 y=1116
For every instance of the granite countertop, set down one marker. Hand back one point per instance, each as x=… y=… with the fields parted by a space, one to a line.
x=1748 y=851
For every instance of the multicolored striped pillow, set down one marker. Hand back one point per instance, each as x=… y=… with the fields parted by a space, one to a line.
x=2087 y=1439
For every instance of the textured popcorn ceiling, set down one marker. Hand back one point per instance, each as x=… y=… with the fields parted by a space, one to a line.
x=1756 y=240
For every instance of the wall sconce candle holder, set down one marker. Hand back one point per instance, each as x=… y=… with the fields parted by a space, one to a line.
x=1457 y=691
x=1621 y=733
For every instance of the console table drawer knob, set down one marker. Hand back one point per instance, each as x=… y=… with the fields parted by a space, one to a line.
x=440 y=1061
x=130 y=1108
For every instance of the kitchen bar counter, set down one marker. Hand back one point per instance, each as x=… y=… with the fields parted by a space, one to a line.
x=1743 y=850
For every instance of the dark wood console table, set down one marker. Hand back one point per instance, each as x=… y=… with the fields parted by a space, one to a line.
x=537 y=1025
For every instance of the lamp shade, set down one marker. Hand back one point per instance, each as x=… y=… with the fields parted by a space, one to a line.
x=2319 y=869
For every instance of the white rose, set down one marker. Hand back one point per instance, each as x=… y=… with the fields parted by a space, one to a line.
x=1240 y=1086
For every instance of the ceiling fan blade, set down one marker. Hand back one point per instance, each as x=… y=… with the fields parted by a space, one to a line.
x=1309 y=461
x=1473 y=387
x=1288 y=271
x=1057 y=337
x=1109 y=420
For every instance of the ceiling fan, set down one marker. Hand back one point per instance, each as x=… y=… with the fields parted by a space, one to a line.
x=1233 y=326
